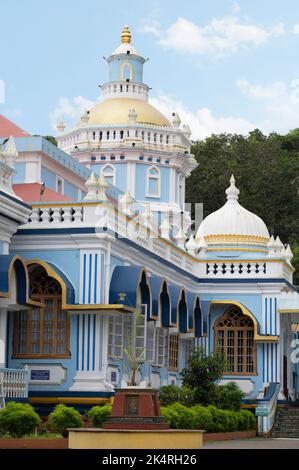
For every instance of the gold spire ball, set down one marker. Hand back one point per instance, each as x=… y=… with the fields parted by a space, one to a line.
x=126 y=35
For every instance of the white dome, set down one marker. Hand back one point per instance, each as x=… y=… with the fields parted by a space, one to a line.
x=124 y=48
x=232 y=223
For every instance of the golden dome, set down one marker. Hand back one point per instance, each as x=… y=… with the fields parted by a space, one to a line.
x=116 y=110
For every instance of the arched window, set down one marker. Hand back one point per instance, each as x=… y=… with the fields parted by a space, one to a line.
x=126 y=71
x=42 y=332
x=109 y=173
x=153 y=185
x=234 y=337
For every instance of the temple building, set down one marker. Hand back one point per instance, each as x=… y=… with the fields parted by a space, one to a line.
x=96 y=229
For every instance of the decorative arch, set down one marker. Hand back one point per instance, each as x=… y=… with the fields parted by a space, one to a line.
x=125 y=286
x=144 y=293
x=182 y=314
x=257 y=335
x=42 y=332
x=126 y=71
x=11 y=265
x=197 y=319
x=109 y=173
x=153 y=182
x=165 y=305
x=67 y=290
x=234 y=338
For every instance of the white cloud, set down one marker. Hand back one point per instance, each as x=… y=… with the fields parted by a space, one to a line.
x=202 y=122
x=69 y=110
x=273 y=91
x=236 y=7
x=281 y=111
x=296 y=28
x=151 y=25
x=219 y=36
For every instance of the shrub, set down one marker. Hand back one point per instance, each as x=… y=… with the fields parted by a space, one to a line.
x=203 y=418
x=64 y=417
x=208 y=418
x=179 y=416
x=18 y=419
x=229 y=396
x=246 y=420
x=168 y=395
x=99 y=414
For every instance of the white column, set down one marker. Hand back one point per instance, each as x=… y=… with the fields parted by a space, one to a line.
x=3 y=333
x=131 y=173
x=172 y=185
x=91 y=354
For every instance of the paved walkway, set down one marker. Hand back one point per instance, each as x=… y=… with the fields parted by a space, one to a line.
x=257 y=443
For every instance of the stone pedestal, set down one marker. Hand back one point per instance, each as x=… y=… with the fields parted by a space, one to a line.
x=136 y=408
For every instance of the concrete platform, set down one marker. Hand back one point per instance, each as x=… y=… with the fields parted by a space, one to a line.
x=95 y=438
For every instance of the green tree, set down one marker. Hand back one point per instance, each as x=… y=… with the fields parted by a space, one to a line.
x=265 y=168
x=202 y=373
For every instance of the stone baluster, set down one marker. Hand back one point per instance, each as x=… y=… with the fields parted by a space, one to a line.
x=180 y=238
x=165 y=227
x=78 y=214
x=56 y=215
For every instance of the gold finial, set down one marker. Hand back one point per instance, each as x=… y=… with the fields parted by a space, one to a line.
x=126 y=35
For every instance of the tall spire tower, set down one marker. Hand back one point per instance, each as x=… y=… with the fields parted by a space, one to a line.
x=129 y=141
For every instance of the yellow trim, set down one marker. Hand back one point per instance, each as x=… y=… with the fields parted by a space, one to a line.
x=98 y=307
x=225 y=238
x=66 y=203
x=7 y=295
x=288 y=310
x=74 y=400
x=122 y=65
x=52 y=273
x=257 y=336
x=237 y=249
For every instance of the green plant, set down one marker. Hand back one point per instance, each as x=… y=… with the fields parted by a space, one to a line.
x=64 y=417
x=247 y=420
x=170 y=394
x=179 y=416
x=203 y=418
x=99 y=414
x=18 y=419
x=201 y=374
x=208 y=418
x=133 y=352
x=229 y=396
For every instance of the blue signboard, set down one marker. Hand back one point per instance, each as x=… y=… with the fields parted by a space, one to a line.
x=40 y=374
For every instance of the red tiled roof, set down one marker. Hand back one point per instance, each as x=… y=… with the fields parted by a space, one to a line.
x=31 y=192
x=8 y=128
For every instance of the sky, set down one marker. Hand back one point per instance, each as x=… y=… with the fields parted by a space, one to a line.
x=224 y=66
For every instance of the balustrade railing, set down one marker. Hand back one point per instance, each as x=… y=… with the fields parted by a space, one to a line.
x=266 y=409
x=14 y=382
x=235 y=269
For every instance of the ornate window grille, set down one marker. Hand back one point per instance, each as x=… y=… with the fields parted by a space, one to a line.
x=42 y=332
x=234 y=338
